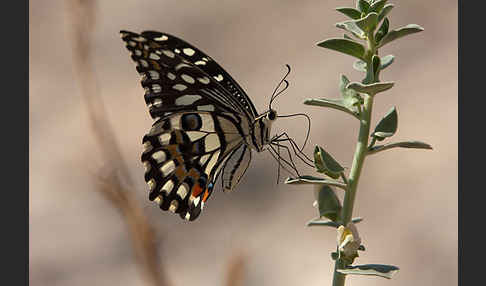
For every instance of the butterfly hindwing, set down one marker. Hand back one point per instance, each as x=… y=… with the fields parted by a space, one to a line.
x=183 y=155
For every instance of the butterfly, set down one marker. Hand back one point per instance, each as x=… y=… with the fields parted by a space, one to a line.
x=205 y=125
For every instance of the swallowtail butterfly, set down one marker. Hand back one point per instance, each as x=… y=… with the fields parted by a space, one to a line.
x=205 y=126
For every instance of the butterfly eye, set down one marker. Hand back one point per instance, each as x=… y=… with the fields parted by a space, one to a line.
x=272 y=115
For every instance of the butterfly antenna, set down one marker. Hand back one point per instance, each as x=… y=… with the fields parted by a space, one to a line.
x=308 y=127
x=275 y=94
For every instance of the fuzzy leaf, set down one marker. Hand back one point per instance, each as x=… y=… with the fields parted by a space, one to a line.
x=328 y=203
x=359 y=65
x=315 y=181
x=382 y=31
x=325 y=163
x=377 y=6
x=406 y=144
x=344 y=46
x=350 y=12
x=387 y=125
x=363 y=6
x=386 y=61
x=368 y=23
x=385 y=11
x=381 y=270
x=352 y=27
x=351 y=98
x=331 y=103
x=398 y=33
x=370 y=89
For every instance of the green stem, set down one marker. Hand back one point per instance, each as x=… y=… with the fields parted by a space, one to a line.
x=359 y=155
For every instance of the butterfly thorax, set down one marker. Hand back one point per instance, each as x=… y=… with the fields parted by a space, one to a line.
x=260 y=131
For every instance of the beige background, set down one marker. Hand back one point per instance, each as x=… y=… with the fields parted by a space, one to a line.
x=408 y=198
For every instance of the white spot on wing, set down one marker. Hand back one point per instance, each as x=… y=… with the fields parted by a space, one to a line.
x=173 y=206
x=168 y=186
x=177 y=51
x=164 y=138
x=157 y=102
x=146 y=166
x=168 y=53
x=182 y=190
x=187 y=78
x=189 y=51
x=147 y=146
x=154 y=56
x=188 y=216
x=179 y=87
x=144 y=63
x=203 y=80
x=219 y=77
x=154 y=75
x=159 y=200
x=196 y=201
x=171 y=76
x=187 y=99
x=159 y=156
x=132 y=43
x=138 y=52
x=200 y=63
x=162 y=38
x=168 y=168
x=156 y=88
x=151 y=183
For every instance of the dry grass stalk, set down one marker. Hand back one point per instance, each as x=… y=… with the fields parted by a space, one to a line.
x=82 y=16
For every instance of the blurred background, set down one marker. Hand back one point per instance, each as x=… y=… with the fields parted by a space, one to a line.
x=408 y=198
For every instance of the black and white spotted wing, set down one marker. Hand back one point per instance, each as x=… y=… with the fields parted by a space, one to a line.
x=202 y=121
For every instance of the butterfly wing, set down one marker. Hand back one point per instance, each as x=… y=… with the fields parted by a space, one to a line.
x=199 y=123
x=193 y=55
x=183 y=154
x=173 y=81
x=235 y=167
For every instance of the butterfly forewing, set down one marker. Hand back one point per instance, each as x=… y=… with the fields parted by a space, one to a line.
x=201 y=122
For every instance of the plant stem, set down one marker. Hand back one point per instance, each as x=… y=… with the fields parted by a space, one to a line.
x=359 y=154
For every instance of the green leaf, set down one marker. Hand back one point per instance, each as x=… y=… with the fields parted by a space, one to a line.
x=370 y=89
x=376 y=66
x=385 y=11
x=351 y=99
x=377 y=6
x=353 y=28
x=386 y=61
x=381 y=270
x=350 y=12
x=359 y=65
x=347 y=37
x=387 y=125
x=315 y=181
x=406 y=144
x=325 y=163
x=320 y=222
x=382 y=31
x=334 y=255
x=368 y=23
x=328 y=203
x=363 y=6
x=344 y=46
x=398 y=33
x=331 y=103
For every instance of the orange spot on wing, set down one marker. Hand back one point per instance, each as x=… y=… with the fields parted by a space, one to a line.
x=206 y=195
x=196 y=190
